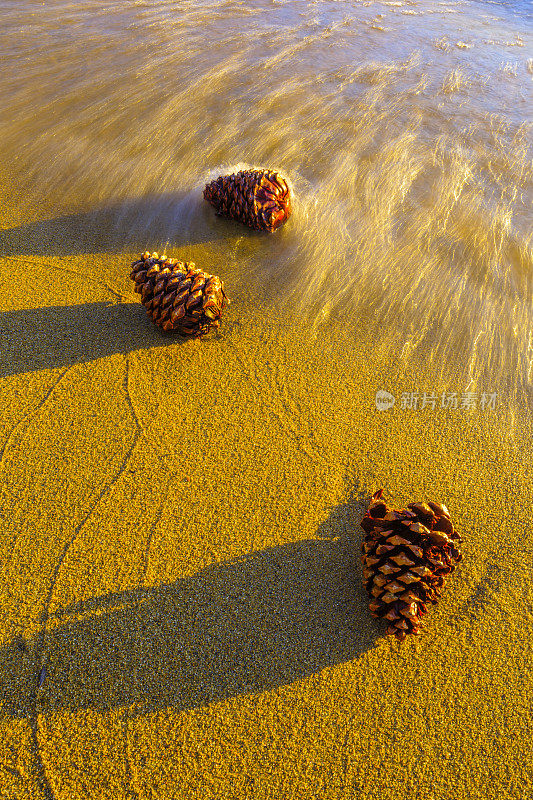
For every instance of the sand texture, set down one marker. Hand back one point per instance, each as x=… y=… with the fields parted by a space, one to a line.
x=180 y=553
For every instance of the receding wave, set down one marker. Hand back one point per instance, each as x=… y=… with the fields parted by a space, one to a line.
x=407 y=145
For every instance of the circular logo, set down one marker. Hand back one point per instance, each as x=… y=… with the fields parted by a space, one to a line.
x=384 y=400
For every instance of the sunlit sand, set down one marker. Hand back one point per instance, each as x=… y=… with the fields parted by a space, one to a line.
x=182 y=614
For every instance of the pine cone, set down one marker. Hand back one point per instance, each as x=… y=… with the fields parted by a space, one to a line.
x=406 y=556
x=258 y=198
x=177 y=296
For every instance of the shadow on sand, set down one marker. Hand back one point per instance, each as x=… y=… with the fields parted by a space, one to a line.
x=242 y=626
x=172 y=219
x=60 y=336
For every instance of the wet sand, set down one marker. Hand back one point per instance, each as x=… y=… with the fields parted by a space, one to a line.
x=180 y=553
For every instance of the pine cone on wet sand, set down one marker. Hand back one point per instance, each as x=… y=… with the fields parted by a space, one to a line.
x=258 y=198
x=177 y=296
x=406 y=555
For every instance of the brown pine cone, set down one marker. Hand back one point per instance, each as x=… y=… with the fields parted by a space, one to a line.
x=258 y=198
x=406 y=555
x=177 y=296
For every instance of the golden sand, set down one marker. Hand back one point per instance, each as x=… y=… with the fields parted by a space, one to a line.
x=180 y=545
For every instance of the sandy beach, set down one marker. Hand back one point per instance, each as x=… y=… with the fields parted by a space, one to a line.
x=182 y=614
x=180 y=553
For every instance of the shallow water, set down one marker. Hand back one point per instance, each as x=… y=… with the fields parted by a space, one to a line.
x=404 y=127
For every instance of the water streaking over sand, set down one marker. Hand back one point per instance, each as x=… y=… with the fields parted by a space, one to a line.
x=405 y=128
